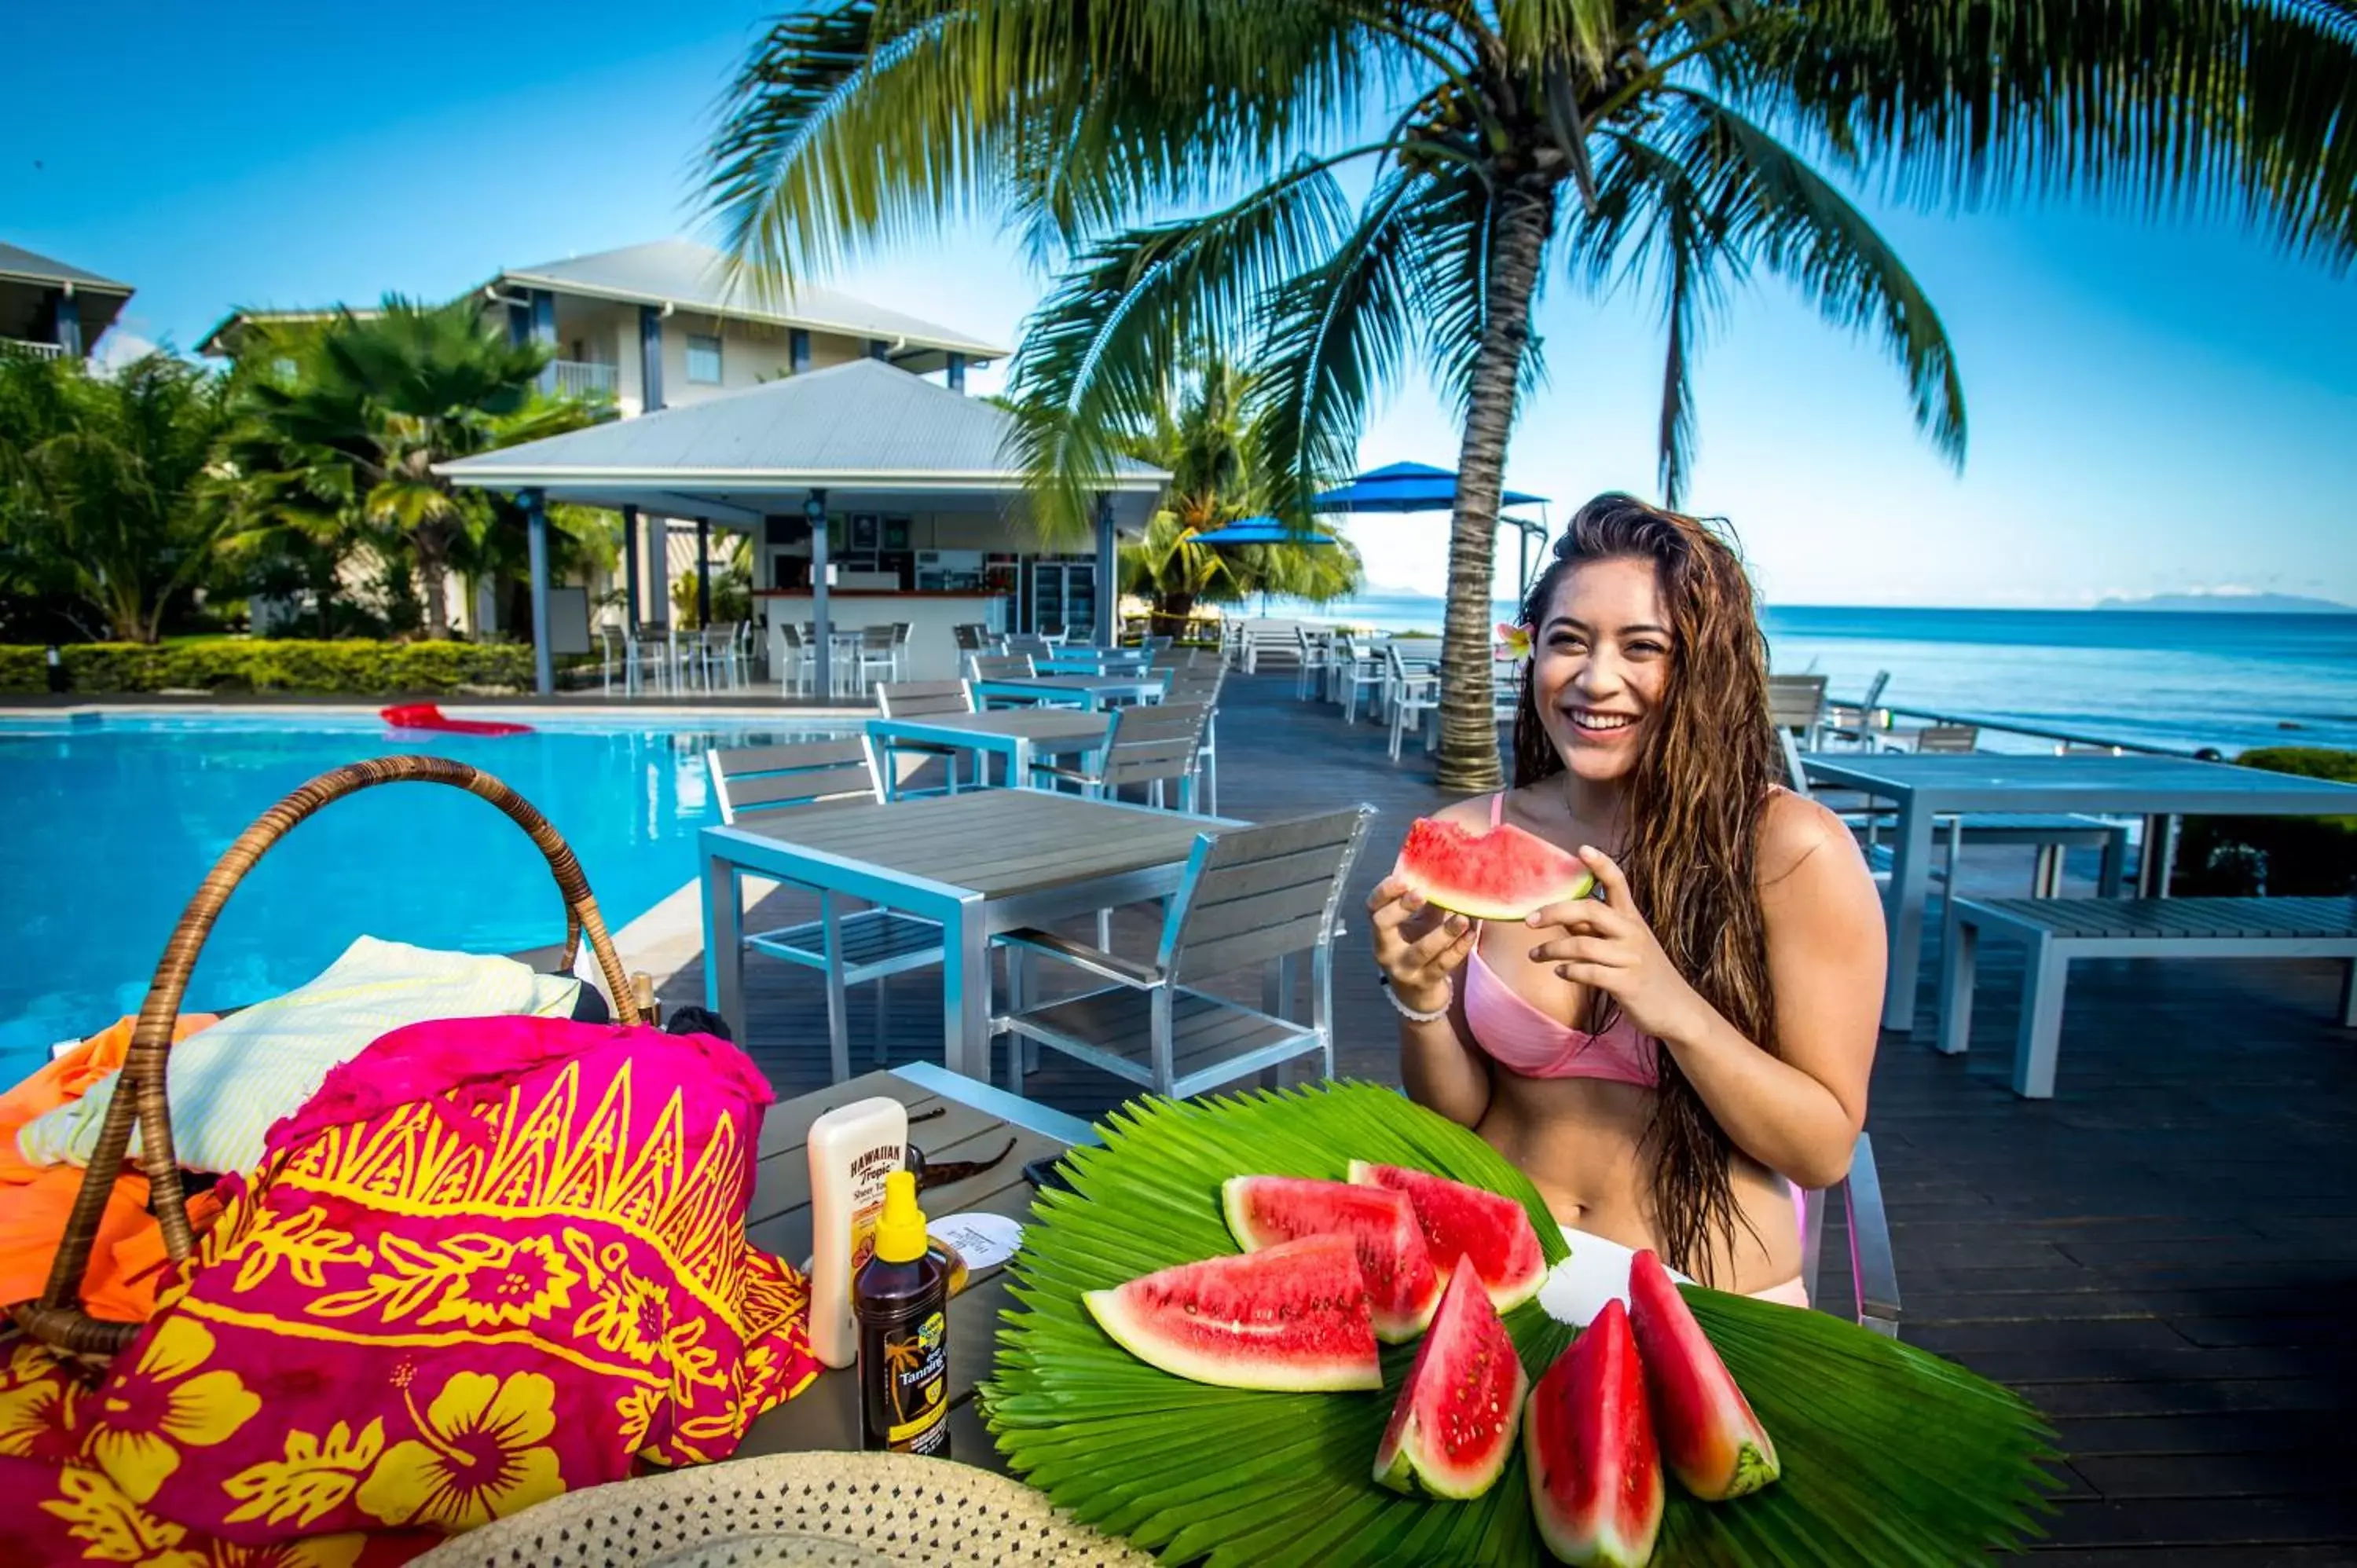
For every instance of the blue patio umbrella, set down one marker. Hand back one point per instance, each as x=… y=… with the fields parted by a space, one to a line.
x=1260 y=530
x=1420 y=487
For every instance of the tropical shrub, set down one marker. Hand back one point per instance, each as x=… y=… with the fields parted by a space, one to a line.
x=351 y=668
x=2289 y=856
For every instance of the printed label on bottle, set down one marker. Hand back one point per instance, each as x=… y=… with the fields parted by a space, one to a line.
x=916 y=1387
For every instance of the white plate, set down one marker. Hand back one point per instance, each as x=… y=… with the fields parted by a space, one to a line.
x=1597 y=1272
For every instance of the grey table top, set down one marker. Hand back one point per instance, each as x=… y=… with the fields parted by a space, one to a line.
x=1029 y=723
x=1995 y=781
x=1077 y=685
x=992 y=843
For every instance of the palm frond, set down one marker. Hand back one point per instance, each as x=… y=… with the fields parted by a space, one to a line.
x=2202 y=107
x=1890 y=1455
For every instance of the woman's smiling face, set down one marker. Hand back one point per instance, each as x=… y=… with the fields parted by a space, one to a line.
x=1600 y=663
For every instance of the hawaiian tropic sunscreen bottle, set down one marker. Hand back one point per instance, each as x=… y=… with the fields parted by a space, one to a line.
x=902 y=1300
x=852 y=1150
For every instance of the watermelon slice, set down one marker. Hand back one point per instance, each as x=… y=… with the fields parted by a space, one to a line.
x=1596 y=1476
x=1402 y=1288
x=1489 y=1229
x=1454 y=1424
x=1715 y=1445
x=1292 y=1318
x=1502 y=874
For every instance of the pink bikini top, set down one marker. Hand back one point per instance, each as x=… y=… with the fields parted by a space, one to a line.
x=1525 y=1041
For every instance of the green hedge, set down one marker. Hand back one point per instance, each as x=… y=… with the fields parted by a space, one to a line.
x=353 y=668
x=2289 y=856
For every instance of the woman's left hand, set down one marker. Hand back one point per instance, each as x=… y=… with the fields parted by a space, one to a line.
x=1606 y=944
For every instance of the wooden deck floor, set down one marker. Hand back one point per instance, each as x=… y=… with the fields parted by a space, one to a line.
x=2162 y=1257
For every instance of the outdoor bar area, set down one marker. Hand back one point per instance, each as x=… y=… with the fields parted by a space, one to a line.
x=871 y=497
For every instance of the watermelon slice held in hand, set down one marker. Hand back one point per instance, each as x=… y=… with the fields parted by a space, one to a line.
x=1292 y=1317
x=1454 y=1424
x=1402 y=1287
x=1502 y=874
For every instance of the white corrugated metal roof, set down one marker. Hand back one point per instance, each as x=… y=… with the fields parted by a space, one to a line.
x=862 y=424
x=16 y=261
x=695 y=277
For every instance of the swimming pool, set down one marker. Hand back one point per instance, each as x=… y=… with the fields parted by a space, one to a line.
x=109 y=826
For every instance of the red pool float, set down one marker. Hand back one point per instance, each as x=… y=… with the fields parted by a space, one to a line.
x=426 y=715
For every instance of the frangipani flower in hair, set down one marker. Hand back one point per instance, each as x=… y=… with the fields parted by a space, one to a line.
x=1513 y=640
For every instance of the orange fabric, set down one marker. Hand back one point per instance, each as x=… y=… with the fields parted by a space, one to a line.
x=126 y=1260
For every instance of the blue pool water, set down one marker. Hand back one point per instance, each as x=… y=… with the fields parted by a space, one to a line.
x=110 y=827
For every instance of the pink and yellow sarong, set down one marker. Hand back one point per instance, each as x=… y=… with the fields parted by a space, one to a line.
x=491 y=1261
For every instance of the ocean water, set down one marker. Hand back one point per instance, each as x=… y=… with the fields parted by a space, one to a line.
x=2176 y=679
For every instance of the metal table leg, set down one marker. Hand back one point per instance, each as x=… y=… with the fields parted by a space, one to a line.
x=1910 y=875
x=724 y=949
x=965 y=992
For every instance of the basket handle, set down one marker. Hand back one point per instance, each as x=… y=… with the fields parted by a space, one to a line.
x=58 y=1317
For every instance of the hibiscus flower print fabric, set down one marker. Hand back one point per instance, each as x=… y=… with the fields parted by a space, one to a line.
x=491 y=1261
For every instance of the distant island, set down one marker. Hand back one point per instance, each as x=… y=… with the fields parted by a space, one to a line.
x=2239 y=604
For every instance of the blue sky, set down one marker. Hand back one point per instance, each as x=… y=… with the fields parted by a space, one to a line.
x=2155 y=407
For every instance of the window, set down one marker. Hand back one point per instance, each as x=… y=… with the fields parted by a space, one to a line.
x=703 y=360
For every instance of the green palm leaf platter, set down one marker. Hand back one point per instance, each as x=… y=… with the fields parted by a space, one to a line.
x=1890 y=1455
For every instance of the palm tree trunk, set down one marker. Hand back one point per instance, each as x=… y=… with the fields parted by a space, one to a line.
x=1523 y=222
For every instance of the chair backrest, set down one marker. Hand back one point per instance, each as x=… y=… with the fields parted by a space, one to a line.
x=1796 y=777
x=2087 y=749
x=756 y=781
x=1153 y=741
x=913 y=699
x=1948 y=738
x=972 y=635
x=1873 y=689
x=876 y=639
x=1795 y=701
x=1030 y=645
x=998 y=667
x=1252 y=893
x=1198 y=685
x=790 y=634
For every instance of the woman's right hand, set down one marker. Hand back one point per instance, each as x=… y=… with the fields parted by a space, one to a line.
x=1419 y=947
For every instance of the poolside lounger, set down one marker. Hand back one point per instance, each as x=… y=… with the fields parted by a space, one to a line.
x=2060 y=930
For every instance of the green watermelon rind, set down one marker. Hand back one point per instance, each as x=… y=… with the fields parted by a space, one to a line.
x=1119 y=1315
x=1435 y=862
x=1392 y=1330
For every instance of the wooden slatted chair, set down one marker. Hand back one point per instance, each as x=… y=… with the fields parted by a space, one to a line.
x=754 y=783
x=915 y=699
x=999 y=667
x=1148 y=744
x=1200 y=684
x=1873 y=1272
x=1797 y=703
x=1251 y=897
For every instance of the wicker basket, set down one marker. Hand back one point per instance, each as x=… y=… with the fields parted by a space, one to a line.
x=59 y=1316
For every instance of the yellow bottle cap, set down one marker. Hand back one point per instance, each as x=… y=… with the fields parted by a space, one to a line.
x=900 y=1229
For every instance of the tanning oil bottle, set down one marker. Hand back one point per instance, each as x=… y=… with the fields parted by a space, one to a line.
x=902 y=1300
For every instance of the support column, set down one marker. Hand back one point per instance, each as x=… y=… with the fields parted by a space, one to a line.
x=659 y=571
x=798 y=348
x=70 y=324
x=650 y=387
x=704 y=573
x=1108 y=579
x=543 y=332
x=823 y=644
x=632 y=610
x=957 y=373
x=543 y=668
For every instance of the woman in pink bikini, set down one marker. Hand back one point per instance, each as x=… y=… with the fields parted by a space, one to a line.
x=1667 y=1059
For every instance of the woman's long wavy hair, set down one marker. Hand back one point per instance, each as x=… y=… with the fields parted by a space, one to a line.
x=1694 y=802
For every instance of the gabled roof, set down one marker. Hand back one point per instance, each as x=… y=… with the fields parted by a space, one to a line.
x=860 y=426
x=227 y=338
x=690 y=276
x=17 y=263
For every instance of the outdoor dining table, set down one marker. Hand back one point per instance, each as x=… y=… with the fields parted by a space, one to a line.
x=1089 y=661
x=981 y=863
x=1018 y=735
x=1071 y=691
x=975 y=1121
x=2159 y=788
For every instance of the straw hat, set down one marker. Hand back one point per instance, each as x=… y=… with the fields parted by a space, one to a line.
x=807 y=1510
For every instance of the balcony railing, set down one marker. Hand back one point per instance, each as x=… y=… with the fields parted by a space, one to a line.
x=32 y=351
x=581 y=377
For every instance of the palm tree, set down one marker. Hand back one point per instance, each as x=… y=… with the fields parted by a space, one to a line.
x=1692 y=142
x=395 y=394
x=109 y=497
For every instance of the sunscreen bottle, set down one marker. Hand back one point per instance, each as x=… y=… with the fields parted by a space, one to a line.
x=852 y=1150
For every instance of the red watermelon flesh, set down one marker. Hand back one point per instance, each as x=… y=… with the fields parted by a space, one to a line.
x=1293 y=1318
x=1713 y=1443
x=1402 y=1288
x=1502 y=874
x=1596 y=1476
x=1489 y=1229
x=1454 y=1424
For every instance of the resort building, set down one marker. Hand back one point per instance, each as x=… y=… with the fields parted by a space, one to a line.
x=52 y=309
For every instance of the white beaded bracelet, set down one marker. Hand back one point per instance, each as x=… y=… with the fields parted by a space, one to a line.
x=1411 y=1015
